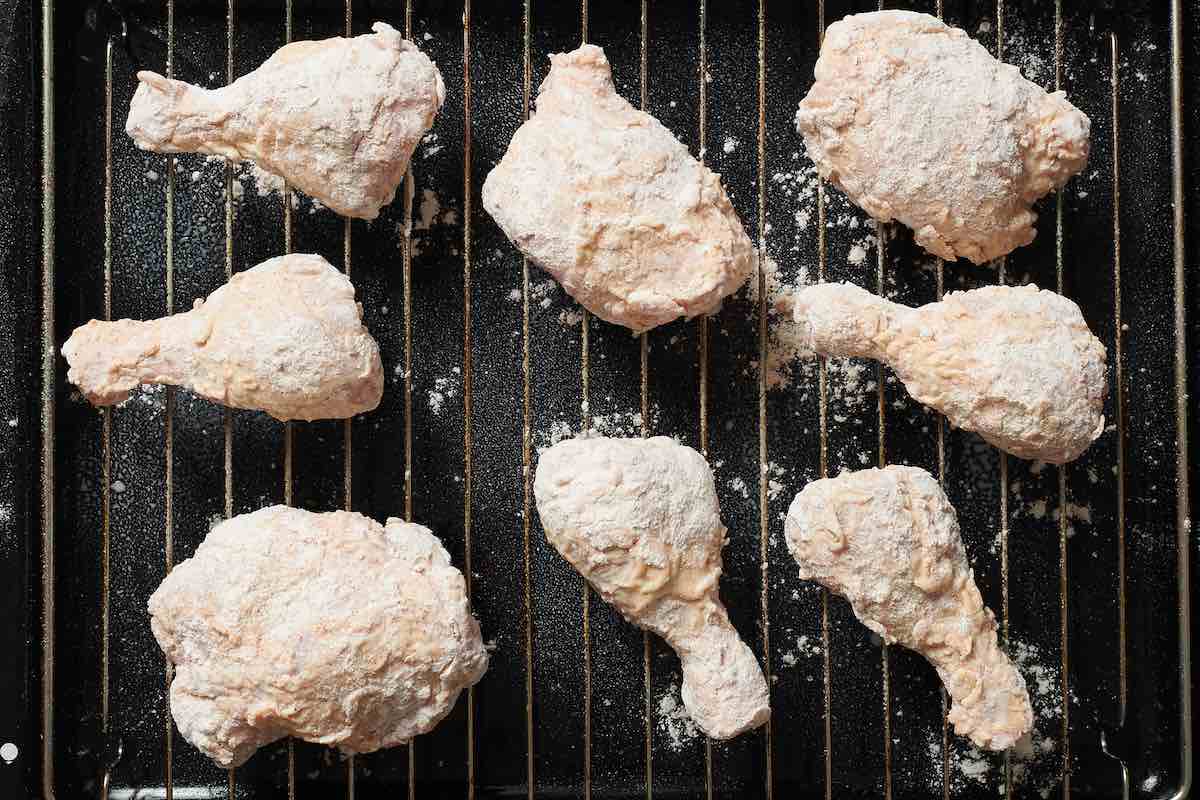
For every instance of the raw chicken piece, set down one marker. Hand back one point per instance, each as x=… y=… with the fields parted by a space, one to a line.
x=606 y=200
x=1012 y=363
x=918 y=123
x=888 y=540
x=328 y=627
x=639 y=519
x=338 y=118
x=285 y=337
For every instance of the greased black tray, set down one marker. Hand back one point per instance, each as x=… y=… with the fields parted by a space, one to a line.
x=1087 y=566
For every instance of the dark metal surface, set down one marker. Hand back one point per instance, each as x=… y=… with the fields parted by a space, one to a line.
x=571 y=703
x=19 y=249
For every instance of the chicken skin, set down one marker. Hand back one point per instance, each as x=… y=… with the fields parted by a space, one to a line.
x=918 y=123
x=328 y=627
x=639 y=519
x=606 y=200
x=888 y=541
x=1015 y=364
x=337 y=118
x=285 y=337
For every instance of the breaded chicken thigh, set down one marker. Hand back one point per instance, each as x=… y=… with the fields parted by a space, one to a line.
x=606 y=200
x=918 y=123
x=328 y=627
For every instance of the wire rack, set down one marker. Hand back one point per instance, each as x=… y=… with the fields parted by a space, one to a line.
x=1086 y=565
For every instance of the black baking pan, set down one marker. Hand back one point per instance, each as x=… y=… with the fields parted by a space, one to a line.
x=1087 y=566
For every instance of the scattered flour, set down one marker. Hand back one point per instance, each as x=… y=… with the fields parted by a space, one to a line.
x=265 y=182
x=852 y=383
x=800 y=188
x=738 y=485
x=974 y=765
x=784 y=346
x=672 y=719
x=542 y=293
x=1040 y=508
x=151 y=396
x=430 y=146
x=436 y=399
x=428 y=211
x=774 y=475
x=805 y=648
x=617 y=424
x=1035 y=760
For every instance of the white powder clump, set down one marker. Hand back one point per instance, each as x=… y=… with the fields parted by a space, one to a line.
x=430 y=146
x=443 y=389
x=774 y=474
x=1040 y=678
x=672 y=720
x=974 y=765
x=1035 y=761
x=805 y=648
x=264 y=182
x=730 y=144
x=558 y=431
x=541 y=293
